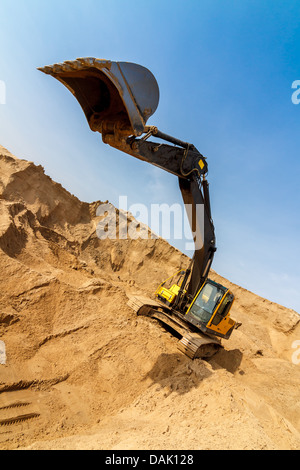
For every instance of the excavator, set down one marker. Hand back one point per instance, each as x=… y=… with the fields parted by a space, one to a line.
x=117 y=99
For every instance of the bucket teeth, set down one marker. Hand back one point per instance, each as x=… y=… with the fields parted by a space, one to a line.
x=73 y=65
x=57 y=68
x=87 y=61
x=47 y=69
x=67 y=67
x=69 y=63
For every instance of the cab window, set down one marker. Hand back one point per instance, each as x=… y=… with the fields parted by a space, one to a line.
x=206 y=302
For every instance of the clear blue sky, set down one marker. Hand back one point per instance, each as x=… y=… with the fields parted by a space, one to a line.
x=225 y=70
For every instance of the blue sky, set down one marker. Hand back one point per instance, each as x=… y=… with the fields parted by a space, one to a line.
x=225 y=69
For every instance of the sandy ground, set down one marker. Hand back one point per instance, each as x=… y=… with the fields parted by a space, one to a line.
x=83 y=372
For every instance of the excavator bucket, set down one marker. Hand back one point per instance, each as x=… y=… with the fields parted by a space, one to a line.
x=114 y=96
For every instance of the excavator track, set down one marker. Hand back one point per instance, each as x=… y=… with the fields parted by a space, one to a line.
x=193 y=344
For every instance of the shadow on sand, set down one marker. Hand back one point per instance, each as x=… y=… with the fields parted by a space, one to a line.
x=177 y=373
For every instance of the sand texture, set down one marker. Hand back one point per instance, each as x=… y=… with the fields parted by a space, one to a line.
x=82 y=371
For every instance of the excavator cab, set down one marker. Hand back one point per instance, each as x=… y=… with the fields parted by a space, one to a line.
x=210 y=310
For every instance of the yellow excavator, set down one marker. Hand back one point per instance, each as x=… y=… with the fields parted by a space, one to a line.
x=117 y=99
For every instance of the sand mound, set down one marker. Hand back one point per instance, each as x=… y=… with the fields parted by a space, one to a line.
x=83 y=372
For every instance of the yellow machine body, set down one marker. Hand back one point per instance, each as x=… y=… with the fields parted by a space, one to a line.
x=210 y=309
x=168 y=291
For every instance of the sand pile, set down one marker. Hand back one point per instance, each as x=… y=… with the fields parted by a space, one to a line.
x=83 y=372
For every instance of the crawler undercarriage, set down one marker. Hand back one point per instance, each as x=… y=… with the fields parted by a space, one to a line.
x=192 y=341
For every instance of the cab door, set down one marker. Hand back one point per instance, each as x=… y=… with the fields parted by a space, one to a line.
x=221 y=323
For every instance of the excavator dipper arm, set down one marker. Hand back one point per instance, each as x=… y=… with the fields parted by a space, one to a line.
x=190 y=167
